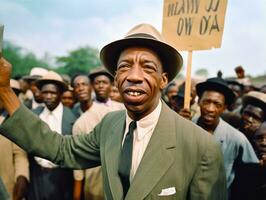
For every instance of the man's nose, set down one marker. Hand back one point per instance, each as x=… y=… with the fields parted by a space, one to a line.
x=135 y=74
x=210 y=107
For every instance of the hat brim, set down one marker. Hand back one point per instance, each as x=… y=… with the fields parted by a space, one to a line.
x=253 y=101
x=30 y=78
x=62 y=85
x=212 y=86
x=171 y=60
x=92 y=76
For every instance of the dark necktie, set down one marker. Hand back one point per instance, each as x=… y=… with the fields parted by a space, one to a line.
x=126 y=158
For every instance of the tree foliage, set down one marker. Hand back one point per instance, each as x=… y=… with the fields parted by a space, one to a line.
x=202 y=72
x=22 y=60
x=81 y=60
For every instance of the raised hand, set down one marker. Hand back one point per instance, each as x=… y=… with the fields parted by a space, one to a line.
x=7 y=96
x=5 y=73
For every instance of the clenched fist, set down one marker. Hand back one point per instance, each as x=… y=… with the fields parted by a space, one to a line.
x=5 y=73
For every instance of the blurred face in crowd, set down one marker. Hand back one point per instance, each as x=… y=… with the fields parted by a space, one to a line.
x=252 y=117
x=51 y=95
x=260 y=141
x=115 y=95
x=68 y=99
x=212 y=105
x=240 y=73
x=36 y=93
x=140 y=79
x=171 y=91
x=24 y=85
x=82 y=88
x=236 y=89
x=102 y=87
x=263 y=89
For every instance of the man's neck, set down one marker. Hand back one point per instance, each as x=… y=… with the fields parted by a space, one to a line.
x=206 y=127
x=101 y=100
x=85 y=105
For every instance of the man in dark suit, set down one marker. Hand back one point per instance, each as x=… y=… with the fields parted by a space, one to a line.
x=49 y=181
x=148 y=152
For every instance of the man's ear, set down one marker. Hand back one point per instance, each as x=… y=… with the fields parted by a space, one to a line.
x=164 y=80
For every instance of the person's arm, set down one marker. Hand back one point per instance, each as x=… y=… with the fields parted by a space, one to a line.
x=20 y=188
x=9 y=99
x=34 y=136
x=21 y=172
x=209 y=182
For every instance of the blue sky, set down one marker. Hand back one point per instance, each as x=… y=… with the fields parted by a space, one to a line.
x=58 y=26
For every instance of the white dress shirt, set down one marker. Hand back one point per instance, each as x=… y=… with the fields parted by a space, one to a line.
x=54 y=120
x=142 y=136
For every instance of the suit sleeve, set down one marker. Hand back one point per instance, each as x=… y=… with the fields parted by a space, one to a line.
x=34 y=136
x=209 y=182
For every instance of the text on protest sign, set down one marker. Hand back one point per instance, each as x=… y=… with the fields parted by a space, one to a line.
x=194 y=24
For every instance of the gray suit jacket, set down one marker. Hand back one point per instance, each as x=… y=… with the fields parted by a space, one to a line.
x=180 y=155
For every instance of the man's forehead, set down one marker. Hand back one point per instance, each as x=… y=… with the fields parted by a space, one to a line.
x=138 y=49
x=253 y=108
x=82 y=77
x=213 y=94
x=50 y=86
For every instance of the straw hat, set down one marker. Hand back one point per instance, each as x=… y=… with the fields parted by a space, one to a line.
x=219 y=85
x=54 y=78
x=143 y=35
x=35 y=73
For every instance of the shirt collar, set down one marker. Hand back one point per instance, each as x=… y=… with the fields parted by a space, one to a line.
x=57 y=112
x=146 y=124
x=108 y=103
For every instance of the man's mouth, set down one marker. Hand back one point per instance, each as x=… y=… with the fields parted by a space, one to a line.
x=134 y=93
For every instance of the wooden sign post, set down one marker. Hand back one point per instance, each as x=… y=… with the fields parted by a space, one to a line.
x=1 y=38
x=193 y=25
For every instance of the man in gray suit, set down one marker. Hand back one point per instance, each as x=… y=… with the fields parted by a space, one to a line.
x=146 y=152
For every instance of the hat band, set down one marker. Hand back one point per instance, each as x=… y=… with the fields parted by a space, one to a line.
x=141 y=35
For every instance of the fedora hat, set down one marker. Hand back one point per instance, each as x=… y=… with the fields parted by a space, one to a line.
x=219 y=85
x=54 y=78
x=100 y=71
x=143 y=35
x=255 y=98
x=35 y=73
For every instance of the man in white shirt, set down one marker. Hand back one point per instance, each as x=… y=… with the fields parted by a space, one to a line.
x=48 y=180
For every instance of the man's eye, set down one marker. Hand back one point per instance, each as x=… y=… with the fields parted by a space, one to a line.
x=123 y=66
x=149 y=68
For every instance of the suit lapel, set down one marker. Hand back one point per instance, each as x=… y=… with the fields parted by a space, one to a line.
x=66 y=123
x=157 y=157
x=112 y=153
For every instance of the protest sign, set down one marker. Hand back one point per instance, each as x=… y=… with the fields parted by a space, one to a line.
x=194 y=24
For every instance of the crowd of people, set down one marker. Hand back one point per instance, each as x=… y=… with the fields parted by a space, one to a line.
x=122 y=132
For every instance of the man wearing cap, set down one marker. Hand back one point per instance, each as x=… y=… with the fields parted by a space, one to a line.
x=102 y=84
x=253 y=113
x=214 y=97
x=48 y=181
x=35 y=74
x=14 y=165
x=147 y=151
